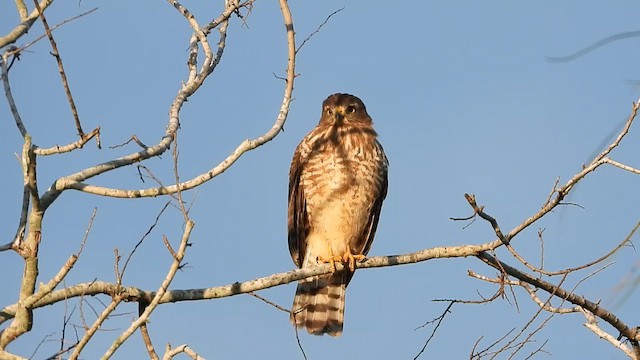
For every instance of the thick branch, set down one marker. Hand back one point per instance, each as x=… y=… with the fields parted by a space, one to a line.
x=28 y=249
x=136 y=294
x=24 y=25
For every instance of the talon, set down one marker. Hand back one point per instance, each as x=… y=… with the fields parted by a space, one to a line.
x=331 y=261
x=350 y=259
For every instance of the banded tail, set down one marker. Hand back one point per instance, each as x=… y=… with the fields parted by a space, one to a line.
x=319 y=304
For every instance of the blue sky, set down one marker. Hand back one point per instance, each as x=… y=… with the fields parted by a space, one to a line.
x=464 y=101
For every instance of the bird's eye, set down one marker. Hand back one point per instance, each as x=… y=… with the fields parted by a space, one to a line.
x=329 y=111
x=351 y=109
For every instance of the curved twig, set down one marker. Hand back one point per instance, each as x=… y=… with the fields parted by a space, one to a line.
x=75 y=181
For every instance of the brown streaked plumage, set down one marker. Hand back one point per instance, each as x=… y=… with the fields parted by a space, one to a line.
x=337 y=182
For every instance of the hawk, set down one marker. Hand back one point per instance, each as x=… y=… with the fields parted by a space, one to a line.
x=337 y=182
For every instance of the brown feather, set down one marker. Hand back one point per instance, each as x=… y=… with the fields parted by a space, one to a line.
x=319 y=304
x=298 y=223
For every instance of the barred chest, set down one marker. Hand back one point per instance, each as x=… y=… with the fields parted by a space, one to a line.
x=342 y=167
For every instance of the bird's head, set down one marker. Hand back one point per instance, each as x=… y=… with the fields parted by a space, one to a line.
x=347 y=109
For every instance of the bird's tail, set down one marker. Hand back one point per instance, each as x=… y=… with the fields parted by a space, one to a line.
x=319 y=304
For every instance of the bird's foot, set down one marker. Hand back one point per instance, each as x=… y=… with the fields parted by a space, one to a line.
x=332 y=261
x=350 y=260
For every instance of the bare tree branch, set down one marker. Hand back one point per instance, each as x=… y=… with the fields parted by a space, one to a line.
x=148 y=344
x=203 y=58
x=621 y=245
x=631 y=333
x=97 y=324
x=17 y=50
x=28 y=249
x=621 y=165
x=171 y=353
x=157 y=296
x=25 y=22
x=592 y=325
x=7 y=92
x=266 y=301
x=134 y=293
x=95 y=133
x=45 y=289
x=437 y=321
x=75 y=181
x=63 y=75
x=317 y=30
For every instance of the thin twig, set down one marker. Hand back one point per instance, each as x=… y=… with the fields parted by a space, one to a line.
x=630 y=333
x=541 y=238
x=520 y=345
x=95 y=326
x=553 y=190
x=479 y=210
x=500 y=292
x=126 y=263
x=269 y=302
x=18 y=50
x=176 y=174
x=157 y=296
x=438 y=321
x=304 y=355
x=538 y=350
x=63 y=75
x=480 y=353
x=613 y=251
x=66 y=318
x=133 y=138
x=44 y=339
x=57 y=356
x=318 y=29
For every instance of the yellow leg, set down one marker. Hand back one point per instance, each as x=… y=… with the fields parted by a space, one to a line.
x=350 y=259
x=332 y=261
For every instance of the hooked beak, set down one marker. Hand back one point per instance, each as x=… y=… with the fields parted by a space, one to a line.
x=339 y=114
